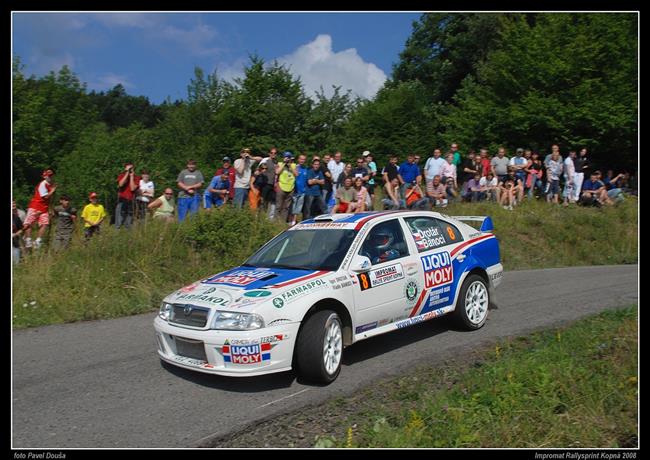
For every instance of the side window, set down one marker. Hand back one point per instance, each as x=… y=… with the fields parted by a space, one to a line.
x=385 y=242
x=430 y=233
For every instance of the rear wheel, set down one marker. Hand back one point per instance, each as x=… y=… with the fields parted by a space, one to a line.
x=319 y=347
x=472 y=306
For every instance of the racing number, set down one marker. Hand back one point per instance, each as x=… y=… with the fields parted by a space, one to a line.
x=365 y=282
x=450 y=232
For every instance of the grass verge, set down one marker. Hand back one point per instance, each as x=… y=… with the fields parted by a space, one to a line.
x=569 y=387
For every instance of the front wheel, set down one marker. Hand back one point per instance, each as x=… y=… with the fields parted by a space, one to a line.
x=472 y=306
x=319 y=347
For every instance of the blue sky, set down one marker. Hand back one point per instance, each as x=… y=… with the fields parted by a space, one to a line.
x=154 y=54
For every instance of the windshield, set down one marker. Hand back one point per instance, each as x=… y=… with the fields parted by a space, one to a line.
x=317 y=249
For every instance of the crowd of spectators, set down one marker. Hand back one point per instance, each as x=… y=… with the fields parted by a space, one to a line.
x=292 y=186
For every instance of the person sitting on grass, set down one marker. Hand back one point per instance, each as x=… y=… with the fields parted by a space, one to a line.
x=414 y=197
x=393 y=200
x=437 y=192
x=490 y=187
x=361 y=195
x=346 y=197
x=594 y=192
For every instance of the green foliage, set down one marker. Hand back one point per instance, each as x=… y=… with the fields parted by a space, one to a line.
x=574 y=387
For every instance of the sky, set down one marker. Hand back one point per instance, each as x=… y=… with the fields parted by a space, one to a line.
x=154 y=54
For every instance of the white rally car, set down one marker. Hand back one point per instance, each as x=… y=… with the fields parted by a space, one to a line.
x=327 y=283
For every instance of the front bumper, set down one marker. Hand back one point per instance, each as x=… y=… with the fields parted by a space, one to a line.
x=231 y=353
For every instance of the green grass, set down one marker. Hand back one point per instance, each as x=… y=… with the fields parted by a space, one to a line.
x=568 y=387
x=125 y=272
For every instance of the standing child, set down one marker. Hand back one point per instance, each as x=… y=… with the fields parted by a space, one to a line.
x=93 y=214
x=66 y=216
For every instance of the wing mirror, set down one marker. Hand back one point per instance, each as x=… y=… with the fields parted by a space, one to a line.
x=360 y=264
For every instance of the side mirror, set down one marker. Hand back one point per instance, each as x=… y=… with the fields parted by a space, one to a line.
x=360 y=264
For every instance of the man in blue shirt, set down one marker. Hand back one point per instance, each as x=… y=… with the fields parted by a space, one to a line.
x=217 y=192
x=299 y=191
x=409 y=173
x=313 y=195
x=594 y=191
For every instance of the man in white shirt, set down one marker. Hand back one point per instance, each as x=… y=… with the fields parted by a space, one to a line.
x=243 y=167
x=433 y=166
x=335 y=167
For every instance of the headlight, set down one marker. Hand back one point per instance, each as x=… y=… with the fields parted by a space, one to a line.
x=237 y=321
x=165 y=311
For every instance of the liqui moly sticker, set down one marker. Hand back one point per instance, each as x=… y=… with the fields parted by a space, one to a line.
x=438 y=269
x=256 y=353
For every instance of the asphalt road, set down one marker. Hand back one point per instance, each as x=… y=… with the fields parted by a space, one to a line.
x=101 y=384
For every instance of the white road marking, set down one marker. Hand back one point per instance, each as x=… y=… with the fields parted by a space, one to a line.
x=281 y=399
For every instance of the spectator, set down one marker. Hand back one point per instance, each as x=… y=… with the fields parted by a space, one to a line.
x=433 y=166
x=190 y=181
x=66 y=216
x=127 y=186
x=569 y=176
x=300 y=188
x=535 y=171
x=243 y=172
x=361 y=195
x=499 y=164
x=594 y=192
x=457 y=160
x=469 y=167
x=372 y=170
x=228 y=169
x=490 y=187
x=360 y=171
x=38 y=209
x=391 y=170
x=437 y=192
x=415 y=199
x=336 y=167
x=216 y=193
x=474 y=189
x=346 y=197
x=408 y=173
x=259 y=180
x=164 y=206
x=93 y=215
x=328 y=186
x=268 y=193
x=582 y=165
x=286 y=173
x=16 y=232
x=485 y=162
x=145 y=194
x=554 y=168
x=347 y=173
x=511 y=189
x=448 y=175
x=519 y=162
x=313 y=192
x=394 y=199
x=614 y=186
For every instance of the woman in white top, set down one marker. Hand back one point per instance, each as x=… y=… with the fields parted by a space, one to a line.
x=145 y=194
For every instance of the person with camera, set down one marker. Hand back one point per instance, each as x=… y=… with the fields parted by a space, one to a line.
x=127 y=185
x=189 y=181
x=243 y=172
x=286 y=173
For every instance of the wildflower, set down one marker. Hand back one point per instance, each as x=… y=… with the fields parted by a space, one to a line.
x=349 y=438
x=497 y=351
x=33 y=302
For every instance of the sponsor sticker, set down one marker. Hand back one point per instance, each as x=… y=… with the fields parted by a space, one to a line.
x=257 y=294
x=323 y=225
x=366 y=327
x=256 y=353
x=189 y=361
x=380 y=276
x=221 y=298
x=425 y=317
x=272 y=339
x=238 y=277
x=438 y=269
x=278 y=302
x=299 y=291
x=428 y=238
x=189 y=288
x=440 y=296
x=411 y=291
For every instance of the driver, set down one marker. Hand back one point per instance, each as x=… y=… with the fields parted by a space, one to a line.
x=378 y=248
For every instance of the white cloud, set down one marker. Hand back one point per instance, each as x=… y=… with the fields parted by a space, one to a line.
x=318 y=65
x=195 y=40
x=139 y=20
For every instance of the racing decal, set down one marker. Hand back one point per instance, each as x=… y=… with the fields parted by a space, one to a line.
x=222 y=299
x=496 y=276
x=424 y=317
x=416 y=308
x=428 y=238
x=380 y=276
x=188 y=361
x=300 y=279
x=255 y=353
x=411 y=292
x=362 y=222
x=257 y=294
x=298 y=292
x=189 y=288
x=272 y=339
x=464 y=246
x=238 y=277
x=355 y=245
x=311 y=225
x=340 y=282
x=440 y=296
x=366 y=327
x=438 y=269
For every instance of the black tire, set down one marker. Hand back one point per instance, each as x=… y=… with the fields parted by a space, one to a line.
x=310 y=348
x=461 y=316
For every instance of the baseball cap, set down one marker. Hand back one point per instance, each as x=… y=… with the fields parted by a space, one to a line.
x=92 y=195
x=226 y=159
x=287 y=154
x=366 y=153
x=48 y=173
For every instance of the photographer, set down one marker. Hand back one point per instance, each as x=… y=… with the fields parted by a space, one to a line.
x=286 y=172
x=243 y=169
x=127 y=184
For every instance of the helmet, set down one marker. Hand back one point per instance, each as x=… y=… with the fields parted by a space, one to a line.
x=381 y=239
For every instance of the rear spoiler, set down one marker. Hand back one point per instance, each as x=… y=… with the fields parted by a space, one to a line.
x=486 y=221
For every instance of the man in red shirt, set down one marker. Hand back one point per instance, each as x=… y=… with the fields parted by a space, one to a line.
x=127 y=184
x=230 y=171
x=38 y=208
x=484 y=160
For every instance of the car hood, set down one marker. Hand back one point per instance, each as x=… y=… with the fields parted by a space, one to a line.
x=242 y=287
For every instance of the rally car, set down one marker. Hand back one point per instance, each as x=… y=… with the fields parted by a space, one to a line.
x=327 y=283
